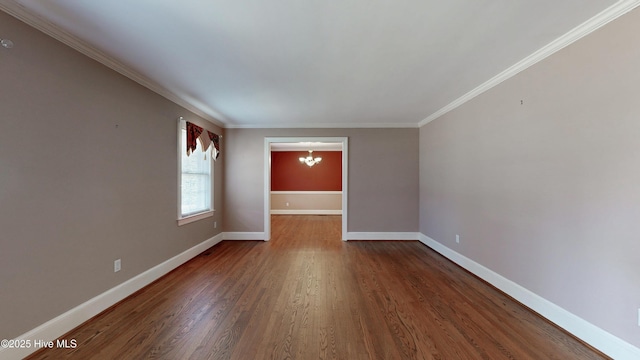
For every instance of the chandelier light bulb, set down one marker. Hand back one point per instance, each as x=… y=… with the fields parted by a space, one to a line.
x=310 y=160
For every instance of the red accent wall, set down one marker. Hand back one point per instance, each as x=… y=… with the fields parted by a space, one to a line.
x=289 y=174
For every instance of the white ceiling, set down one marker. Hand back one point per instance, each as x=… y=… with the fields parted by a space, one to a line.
x=316 y=63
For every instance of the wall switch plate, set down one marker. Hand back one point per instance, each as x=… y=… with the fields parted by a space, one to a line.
x=457 y=238
x=215 y=224
x=638 y=317
x=117 y=265
x=287 y=204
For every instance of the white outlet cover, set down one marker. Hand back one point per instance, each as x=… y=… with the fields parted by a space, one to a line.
x=117 y=265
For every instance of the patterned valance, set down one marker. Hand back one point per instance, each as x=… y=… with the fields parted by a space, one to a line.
x=195 y=132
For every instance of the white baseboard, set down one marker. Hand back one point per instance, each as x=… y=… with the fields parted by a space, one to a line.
x=306 y=212
x=582 y=329
x=54 y=328
x=243 y=235
x=383 y=236
x=350 y=236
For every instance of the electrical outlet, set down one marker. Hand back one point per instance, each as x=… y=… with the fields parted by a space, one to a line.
x=638 y=317
x=457 y=239
x=215 y=224
x=117 y=265
x=287 y=204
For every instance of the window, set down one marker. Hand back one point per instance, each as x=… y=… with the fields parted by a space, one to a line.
x=195 y=192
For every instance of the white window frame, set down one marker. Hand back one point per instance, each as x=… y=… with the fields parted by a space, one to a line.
x=186 y=219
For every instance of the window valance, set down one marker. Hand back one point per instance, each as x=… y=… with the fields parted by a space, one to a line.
x=195 y=132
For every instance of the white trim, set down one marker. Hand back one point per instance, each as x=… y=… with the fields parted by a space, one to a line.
x=306 y=212
x=345 y=185
x=267 y=176
x=181 y=124
x=306 y=193
x=196 y=217
x=60 y=325
x=582 y=329
x=186 y=219
x=339 y=125
x=21 y=13
x=305 y=146
x=611 y=13
x=267 y=189
x=604 y=17
x=382 y=236
x=243 y=235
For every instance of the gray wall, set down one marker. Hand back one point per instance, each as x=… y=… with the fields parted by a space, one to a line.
x=547 y=192
x=544 y=193
x=88 y=174
x=383 y=177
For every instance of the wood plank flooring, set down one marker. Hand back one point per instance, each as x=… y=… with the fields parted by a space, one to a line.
x=308 y=295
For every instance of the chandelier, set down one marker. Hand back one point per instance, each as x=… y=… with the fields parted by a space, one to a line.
x=310 y=160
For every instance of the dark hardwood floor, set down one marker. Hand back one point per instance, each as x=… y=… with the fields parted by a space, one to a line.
x=308 y=295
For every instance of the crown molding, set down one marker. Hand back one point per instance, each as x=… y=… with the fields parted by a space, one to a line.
x=21 y=13
x=322 y=126
x=606 y=16
x=18 y=11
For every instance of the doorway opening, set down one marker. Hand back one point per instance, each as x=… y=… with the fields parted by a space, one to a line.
x=303 y=144
x=306 y=232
